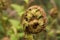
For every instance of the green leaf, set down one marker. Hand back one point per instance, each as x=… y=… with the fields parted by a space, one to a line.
x=13 y=37
x=16 y=24
x=18 y=8
x=27 y=1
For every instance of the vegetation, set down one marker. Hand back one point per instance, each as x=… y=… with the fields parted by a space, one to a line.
x=29 y=20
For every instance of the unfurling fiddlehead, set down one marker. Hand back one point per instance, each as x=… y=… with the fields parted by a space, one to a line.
x=4 y=4
x=54 y=12
x=34 y=19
